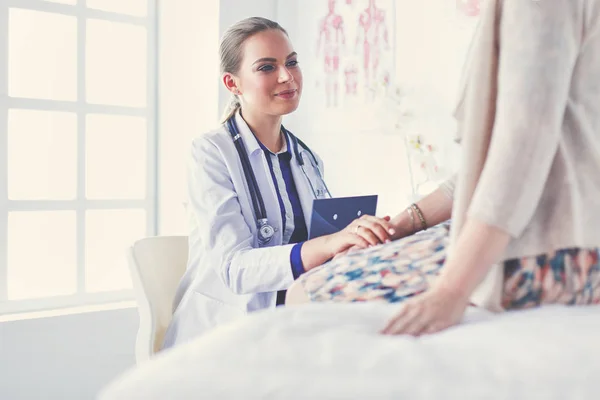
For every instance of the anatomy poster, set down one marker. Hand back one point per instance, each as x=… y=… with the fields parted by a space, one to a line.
x=353 y=49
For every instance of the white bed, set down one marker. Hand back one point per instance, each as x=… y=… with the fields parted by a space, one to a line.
x=333 y=351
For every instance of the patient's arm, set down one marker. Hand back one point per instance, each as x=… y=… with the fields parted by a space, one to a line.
x=436 y=208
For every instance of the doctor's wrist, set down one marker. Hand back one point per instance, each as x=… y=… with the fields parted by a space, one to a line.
x=316 y=251
x=327 y=247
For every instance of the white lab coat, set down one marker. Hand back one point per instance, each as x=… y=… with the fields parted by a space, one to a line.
x=228 y=275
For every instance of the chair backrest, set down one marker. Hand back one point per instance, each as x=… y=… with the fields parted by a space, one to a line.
x=157 y=264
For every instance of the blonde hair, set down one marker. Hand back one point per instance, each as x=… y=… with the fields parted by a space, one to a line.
x=232 y=107
x=231 y=51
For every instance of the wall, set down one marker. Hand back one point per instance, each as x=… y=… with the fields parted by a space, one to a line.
x=66 y=357
x=191 y=96
x=187 y=93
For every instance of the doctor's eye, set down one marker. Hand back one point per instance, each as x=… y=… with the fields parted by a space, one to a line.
x=266 y=68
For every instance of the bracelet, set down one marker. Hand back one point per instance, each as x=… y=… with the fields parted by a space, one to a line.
x=417 y=210
x=412 y=219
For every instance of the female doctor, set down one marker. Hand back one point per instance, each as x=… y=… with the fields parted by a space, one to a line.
x=251 y=186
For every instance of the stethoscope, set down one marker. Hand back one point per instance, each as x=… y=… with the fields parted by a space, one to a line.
x=266 y=230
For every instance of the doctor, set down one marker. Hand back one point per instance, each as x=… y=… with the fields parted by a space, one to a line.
x=251 y=186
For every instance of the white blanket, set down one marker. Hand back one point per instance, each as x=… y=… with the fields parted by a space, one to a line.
x=333 y=351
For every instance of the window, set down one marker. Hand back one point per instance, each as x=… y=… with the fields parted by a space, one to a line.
x=78 y=161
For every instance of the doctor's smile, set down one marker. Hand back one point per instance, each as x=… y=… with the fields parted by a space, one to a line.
x=287 y=94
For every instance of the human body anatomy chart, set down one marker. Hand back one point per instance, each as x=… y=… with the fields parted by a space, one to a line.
x=354 y=47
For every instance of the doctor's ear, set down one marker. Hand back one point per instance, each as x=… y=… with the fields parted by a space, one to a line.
x=230 y=83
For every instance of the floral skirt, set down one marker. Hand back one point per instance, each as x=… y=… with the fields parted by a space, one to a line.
x=399 y=270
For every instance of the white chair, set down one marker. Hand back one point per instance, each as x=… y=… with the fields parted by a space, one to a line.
x=156 y=265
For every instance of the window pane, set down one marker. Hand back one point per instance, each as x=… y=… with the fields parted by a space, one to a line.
x=136 y=8
x=115 y=63
x=42 y=256
x=42 y=55
x=115 y=157
x=108 y=235
x=42 y=155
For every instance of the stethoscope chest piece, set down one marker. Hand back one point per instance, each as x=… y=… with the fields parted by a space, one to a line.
x=265 y=231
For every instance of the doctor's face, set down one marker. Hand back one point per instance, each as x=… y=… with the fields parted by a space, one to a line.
x=269 y=80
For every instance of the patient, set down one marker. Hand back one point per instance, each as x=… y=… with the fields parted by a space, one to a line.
x=525 y=203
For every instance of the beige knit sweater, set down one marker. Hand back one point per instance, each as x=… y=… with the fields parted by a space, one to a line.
x=529 y=126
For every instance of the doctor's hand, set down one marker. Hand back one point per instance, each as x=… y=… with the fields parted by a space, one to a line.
x=373 y=230
x=319 y=250
x=361 y=233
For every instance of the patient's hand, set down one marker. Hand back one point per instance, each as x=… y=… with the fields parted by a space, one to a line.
x=430 y=312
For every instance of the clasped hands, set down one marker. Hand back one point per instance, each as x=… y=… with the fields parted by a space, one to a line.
x=362 y=233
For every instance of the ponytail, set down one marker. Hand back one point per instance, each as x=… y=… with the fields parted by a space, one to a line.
x=233 y=106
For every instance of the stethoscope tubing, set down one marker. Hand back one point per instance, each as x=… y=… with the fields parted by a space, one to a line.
x=258 y=204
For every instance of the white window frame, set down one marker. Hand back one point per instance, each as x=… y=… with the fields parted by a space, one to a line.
x=81 y=204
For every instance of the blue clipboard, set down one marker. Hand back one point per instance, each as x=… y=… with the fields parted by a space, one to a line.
x=332 y=215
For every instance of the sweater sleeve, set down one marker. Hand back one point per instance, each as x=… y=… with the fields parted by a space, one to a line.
x=539 y=43
x=448 y=186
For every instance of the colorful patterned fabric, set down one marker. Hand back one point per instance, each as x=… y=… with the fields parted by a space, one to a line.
x=399 y=270
x=570 y=276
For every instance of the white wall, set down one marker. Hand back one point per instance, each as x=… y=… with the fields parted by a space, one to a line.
x=187 y=97
x=191 y=96
x=66 y=357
